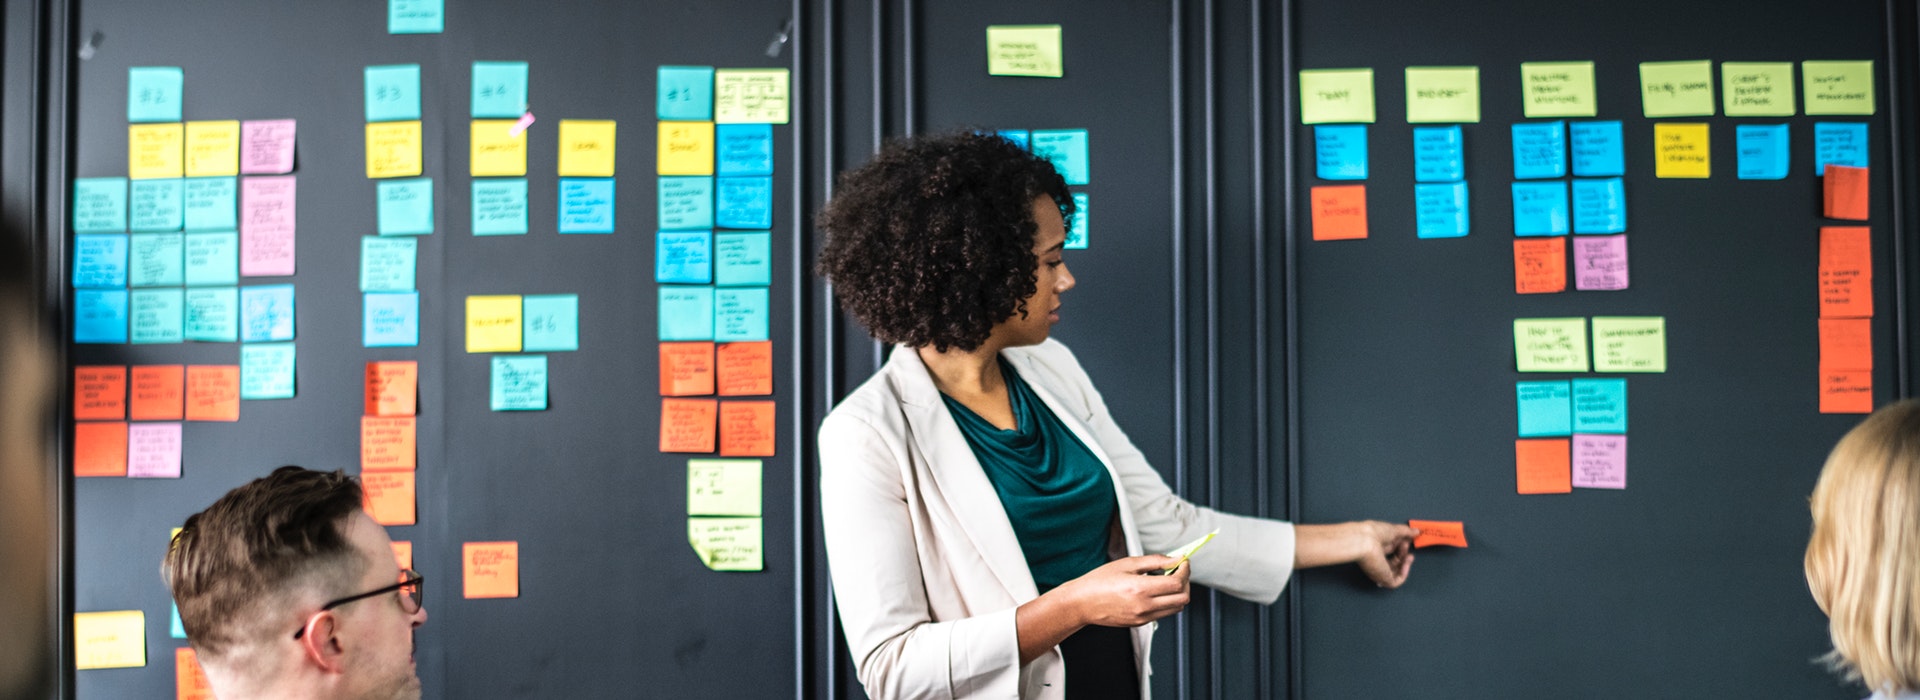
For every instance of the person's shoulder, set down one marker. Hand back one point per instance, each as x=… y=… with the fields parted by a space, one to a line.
x=874 y=403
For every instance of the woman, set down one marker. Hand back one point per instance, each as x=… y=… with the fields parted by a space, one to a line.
x=988 y=523
x=1863 y=561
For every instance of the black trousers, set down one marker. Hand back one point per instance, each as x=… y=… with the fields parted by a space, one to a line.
x=1100 y=664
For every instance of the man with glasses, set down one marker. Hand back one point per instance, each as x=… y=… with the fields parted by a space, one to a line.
x=287 y=589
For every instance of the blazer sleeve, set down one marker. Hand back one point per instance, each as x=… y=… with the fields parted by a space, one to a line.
x=873 y=560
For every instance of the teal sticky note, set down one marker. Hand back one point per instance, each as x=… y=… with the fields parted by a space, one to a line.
x=1763 y=149
x=1439 y=154
x=176 y=630
x=1839 y=143
x=499 y=89
x=686 y=313
x=685 y=93
x=387 y=264
x=212 y=203
x=550 y=322
x=416 y=16
x=1067 y=148
x=499 y=206
x=213 y=314
x=213 y=259
x=1020 y=137
x=157 y=260
x=586 y=205
x=393 y=93
x=519 y=383
x=1600 y=405
x=157 y=316
x=404 y=207
x=100 y=316
x=743 y=149
x=390 y=320
x=740 y=313
x=100 y=205
x=1545 y=408
x=686 y=203
x=1540 y=208
x=683 y=257
x=266 y=371
x=266 y=313
x=1599 y=206
x=1077 y=226
x=157 y=205
x=1340 y=152
x=1539 y=150
x=744 y=202
x=1440 y=210
x=743 y=259
x=154 y=93
x=1598 y=149
x=100 y=260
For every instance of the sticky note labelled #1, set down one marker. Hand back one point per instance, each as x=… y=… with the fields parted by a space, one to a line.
x=1630 y=343
x=684 y=93
x=1550 y=344
x=1029 y=50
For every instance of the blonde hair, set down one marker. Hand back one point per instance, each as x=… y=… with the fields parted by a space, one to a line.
x=1863 y=560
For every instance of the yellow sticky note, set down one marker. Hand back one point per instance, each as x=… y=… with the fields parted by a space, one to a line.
x=751 y=96
x=1558 y=89
x=393 y=149
x=586 y=148
x=1629 y=344
x=1550 y=344
x=1336 y=95
x=1676 y=88
x=155 y=150
x=723 y=487
x=493 y=323
x=1681 y=151
x=1838 y=87
x=213 y=149
x=1757 y=89
x=686 y=148
x=726 y=544
x=116 y=639
x=1443 y=94
x=1027 y=50
x=497 y=151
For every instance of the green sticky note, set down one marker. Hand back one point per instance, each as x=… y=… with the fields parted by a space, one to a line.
x=156 y=316
x=519 y=383
x=727 y=544
x=499 y=206
x=1757 y=89
x=1630 y=343
x=686 y=313
x=1676 y=88
x=723 y=487
x=405 y=207
x=1550 y=344
x=1838 y=87
x=100 y=205
x=1558 y=89
x=1336 y=95
x=387 y=264
x=156 y=260
x=212 y=259
x=266 y=371
x=1443 y=94
x=1025 y=50
x=213 y=314
x=743 y=259
x=212 y=203
x=550 y=322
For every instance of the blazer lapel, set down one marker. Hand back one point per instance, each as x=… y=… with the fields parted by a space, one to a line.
x=1071 y=418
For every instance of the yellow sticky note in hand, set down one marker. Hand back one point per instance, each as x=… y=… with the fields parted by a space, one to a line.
x=213 y=149
x=155 y=150
x=116 y=639
x=586 y=148
x=1025 y=50
x=1185 y=551
x=497 y=150
x=751 y=96
x=727 y=544
x=393 y=149
x=493 y=323
x=1681 y=151
x=686 y=148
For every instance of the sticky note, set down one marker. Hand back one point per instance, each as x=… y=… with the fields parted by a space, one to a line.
x=1839 y=143
x=496 y=150
x=1339 y=212
x=393 y=149
x=1629 y=343
x=100 y=392
x=1600 y=461
x=211 y=203
x=213 y=392
x=1846 y=272
x=155 y=93
x=212 y=259
x=1764 y=152
x=686 y=369
x=1598 y=149
x=688 y=425
x=100 y=316
x=190 y=682
x=1545 y=408
x=490 y=569
x=750 y=96
x=1540 y=208
x=266 y=313
x=1443 y=94
x=685 y=93
x=1845 y=191
x=586 y=148
x=1599 y=206
x=1025 y=50
x=685 y=203
x=493 y=324
x=1838 y=87
x=1846 y=391
x=100 y=260
x=499 y=89
x=393 y=93
x=1439 y=533
x=1846 y=344
x=158 y=392
x=388 y=496
x=740 y=313
x=100 y=449
x=1077 y=224
x=387 y=444
x=684 y=257
x=153 y=450
x=213 y=148
x=156 y=150
x=1336 y=95
x=405 y=207
x=1550 y=344
x=1600 y=405
x=392 y=388
x=387 y=264
x=99 y=205
x=267 y=226
x=744 y=149
x=723 y=487
x=1757 y=89
x=1681 y=151
x=416 y=16
x=519 y=383
x=212 y=314
x=1676 y=88
x=1539 y=265
x=156 y=260
x=1340 y=151
x=1441 y=210
x=157 y=205
x=742 y=259
x=1558 y=89
x=744 y=202
x=1067 y=148
x=1543 y=466
x=266 y=146
x=157 y=316
x=746 y=429
x=685 y=148
x=551 y=322
x=1439 y=155
x=686 y=313
x=727 y=544
x=116 y=639
x=1599 y=263
x=744 y=369
x=266 y=371
x=499 y=207
x=402 y=553
x=586 y=205
x=1539 y=150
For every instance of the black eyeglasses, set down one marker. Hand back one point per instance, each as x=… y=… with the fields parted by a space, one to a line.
x=412 y=596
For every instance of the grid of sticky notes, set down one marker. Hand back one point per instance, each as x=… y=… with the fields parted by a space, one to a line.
x=389 y=453
x=1067 y=150
x=1547 y=206
x=511 y=324
x=723 y=513
x=128 y=420
x=1572 y=432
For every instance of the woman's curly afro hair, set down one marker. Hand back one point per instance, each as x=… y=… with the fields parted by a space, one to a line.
x=931 y=243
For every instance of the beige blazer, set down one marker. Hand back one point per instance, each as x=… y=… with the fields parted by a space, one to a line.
x=926 y=568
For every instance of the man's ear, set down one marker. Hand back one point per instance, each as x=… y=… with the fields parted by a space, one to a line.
x=321 y=643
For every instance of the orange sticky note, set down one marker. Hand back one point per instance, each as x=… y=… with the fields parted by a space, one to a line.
x=403 y=553
x=1544 y=466
x=189 y=682
x=491 y=569
x=100 y=393
x=1846 y=391
x=1540 y=265
x=746 y=369
x=746 y=429
x=388 y=497
x=159 y=392
x=1846 y=190
x=392 y=388
x=686 y=369
x=213 y=392
x=1846 y=343
x=1442 y=533
x=1846 y=271
x=100 y=449
x=687 y=425
x=386 y=444
x=1339 y=212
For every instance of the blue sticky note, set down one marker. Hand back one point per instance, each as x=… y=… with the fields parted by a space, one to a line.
x=157 y=260
x=1599 y=206
x=1540 y=208
x=685 y=93
x=549 y=322
x=1539 y=150
x=266 y=313
x=1340 y=152
x=99 y=260
x=739 y=314
x=157 y=205
x=743 y=149
x=100 y=316
x=586 y=205
x=211 y=203
x=1600 y=405
x=1546 y=408
x=1440 y=210
x=157 y=316
x=744 y=202
x=1077 y=226
x=387 y=264
x=686 y=313
x=212 y=259
x=499 y=89
x=1067 y=148
x=393 y=93
x=1764 y=153
x=1839 y=143
x=390 y=320
x=683 y=257
x=519 y=383
x=1018 y=136
x=1439 y=154
x=266 y=371
x=154 y=93
x=743 y=259
x=499 y=206
x=213 y=314
x=176 y=631
x=100 y=205
x=405 y=207
x=686 y=203
x=1598 y=149
x=416 y=16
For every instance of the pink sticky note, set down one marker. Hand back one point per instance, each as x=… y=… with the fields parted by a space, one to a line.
x=266 y=147
x=526 y=120
x=1600 y=262
x=266 y=226
x=153 y=450
x=1600 y=461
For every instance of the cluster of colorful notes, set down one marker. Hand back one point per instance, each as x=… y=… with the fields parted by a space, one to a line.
x=161 y=396
x=388 y=441
x=516 y=324
x=1572 y=433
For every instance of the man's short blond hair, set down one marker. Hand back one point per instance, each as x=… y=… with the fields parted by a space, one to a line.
x=1863 y=560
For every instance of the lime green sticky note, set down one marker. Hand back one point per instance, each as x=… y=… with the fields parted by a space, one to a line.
x=1558 y=89
x=1443 y=94
x=727 y=544
x=1336 y=95
x=1630 y=343
x=1838 y=87
x=723 y=487
x=1031 y=50
x=1676 y=88
x=1550 y=344
x=1757 y=89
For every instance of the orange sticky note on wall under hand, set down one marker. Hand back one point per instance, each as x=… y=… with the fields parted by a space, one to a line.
x=392 y=388
x=490 y=569
x=1544 y=466
x=686 y=369
x=1339 y=212
x=213 y=392
x=1846 y=272
x=1846 y=344
x=746 y=429
x=100 y=449
x=387 y=444
x=687 y=425
x=1846 y=391
x=1439 y=533
x=1540 y=265
x=746 y=369
x=1846 y=192
x=100 y=392
x=403 y=553
x=189 y=682
x=159 y=392
x=388 y=497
